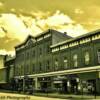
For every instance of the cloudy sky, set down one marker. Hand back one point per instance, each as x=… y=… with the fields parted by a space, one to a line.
x=19 y=18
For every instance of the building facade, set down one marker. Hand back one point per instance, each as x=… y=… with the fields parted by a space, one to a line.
x=54 y=61
x=3 y=73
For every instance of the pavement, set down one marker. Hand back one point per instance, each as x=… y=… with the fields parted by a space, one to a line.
x=46 y=96
x=69 y=96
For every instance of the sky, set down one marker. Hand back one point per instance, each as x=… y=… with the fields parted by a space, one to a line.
x=19 y=18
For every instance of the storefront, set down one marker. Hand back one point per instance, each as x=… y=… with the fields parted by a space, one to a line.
x=60 y=84
x=90 y=82
x=45 y=84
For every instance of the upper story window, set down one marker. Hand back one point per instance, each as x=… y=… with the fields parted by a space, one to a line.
x=47 y=49
x=75 y=60
x=56 y=64
x=87 y=58
x=27 y=54
x=48 y=65
x=33 y=68
x=85 y=40
x=98 y=54
x=47 y=35
x=40 y=38
x=27 y=69
x=63 y=47
x=95 y=37
x=33 y=53
x=22 y=70
x=55 y=49
x=65 y=62
x=73 y=44
x=40 y=66
x=40 y=51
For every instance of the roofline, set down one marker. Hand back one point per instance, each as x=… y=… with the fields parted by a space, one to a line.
x=24 y=41
x=32 y=37
x=50 y=30
x=76 y=38
x=43 y=33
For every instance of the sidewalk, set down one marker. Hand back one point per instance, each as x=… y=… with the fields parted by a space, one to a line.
x=58 y=95
x=68 y=96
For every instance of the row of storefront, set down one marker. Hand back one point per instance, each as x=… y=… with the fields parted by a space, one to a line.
x=86 y=82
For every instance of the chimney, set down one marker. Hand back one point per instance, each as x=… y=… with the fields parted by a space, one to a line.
x=65 y=33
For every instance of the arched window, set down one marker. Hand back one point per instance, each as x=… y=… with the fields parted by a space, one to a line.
x=48 y=65
x=56 y=64
x=75 y=60
x=87 y=58
x=40 y=66
x=98 y=54
x=65 y=62
x=33 y=68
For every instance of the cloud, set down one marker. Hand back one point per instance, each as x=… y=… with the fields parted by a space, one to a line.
x=13 y=10
x=16 y=27
x=62 y=22
x=78 y=11
x=58 y=19
x=4 y=52
x=1 y=4
x=55 y=20
x=73 y=30
x=2 y=33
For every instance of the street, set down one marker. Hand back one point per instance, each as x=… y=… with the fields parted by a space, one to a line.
x=12 y=96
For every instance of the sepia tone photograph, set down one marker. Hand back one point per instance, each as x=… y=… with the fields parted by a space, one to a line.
x=49 y=50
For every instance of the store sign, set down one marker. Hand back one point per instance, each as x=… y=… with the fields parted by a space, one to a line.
x=56 y=82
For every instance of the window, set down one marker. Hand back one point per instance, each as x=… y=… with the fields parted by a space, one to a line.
x=33 y=53
x=47 y=35
x=47 y=49
x=27 y=54
x=22 y=70
x=63 y=47
x=56 y=64
x=40 y=67
x=19 y=69
x=40 y=51
x=48 y=65
x=27 y=69
x=98 y=54
x=75 y=60
x=65 y=62
x=87 y=58
x=40 y=38
x=55 y=49
x=33 y=68
x=97 y=36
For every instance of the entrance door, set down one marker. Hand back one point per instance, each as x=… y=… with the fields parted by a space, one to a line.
x=44 y=86
x=91 y=86
x=74 y=86
x=64 y=87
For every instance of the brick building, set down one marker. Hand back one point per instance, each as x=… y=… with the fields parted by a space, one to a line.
x=57 y=62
